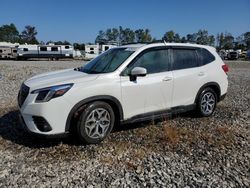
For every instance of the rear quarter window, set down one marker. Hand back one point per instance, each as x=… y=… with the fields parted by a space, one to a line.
x=205 y=56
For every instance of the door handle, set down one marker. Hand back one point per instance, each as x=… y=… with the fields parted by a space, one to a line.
x=167 y=79
x=201 y=74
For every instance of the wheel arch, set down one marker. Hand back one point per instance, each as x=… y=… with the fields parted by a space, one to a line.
x=215 y=86
x=112 y=101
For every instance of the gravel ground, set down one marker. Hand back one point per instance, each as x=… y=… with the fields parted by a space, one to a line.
x=182 y=151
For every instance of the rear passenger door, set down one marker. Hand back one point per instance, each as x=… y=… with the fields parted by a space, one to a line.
x=187 y=75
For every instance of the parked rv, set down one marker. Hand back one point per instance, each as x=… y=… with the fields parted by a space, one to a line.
x=93 y=50
x=44 y=51
x=7 y=52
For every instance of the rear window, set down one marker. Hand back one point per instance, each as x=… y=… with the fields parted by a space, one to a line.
x=205 y=56
x=184 y=59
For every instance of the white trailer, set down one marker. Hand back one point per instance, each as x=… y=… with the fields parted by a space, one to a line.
x=93 y=50
x=44 y=51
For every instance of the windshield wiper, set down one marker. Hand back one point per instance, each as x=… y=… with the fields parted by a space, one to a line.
x=77 y=69
x=81 y=69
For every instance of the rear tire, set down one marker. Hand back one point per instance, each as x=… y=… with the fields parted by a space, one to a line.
x=95 y=123
x=206 y=102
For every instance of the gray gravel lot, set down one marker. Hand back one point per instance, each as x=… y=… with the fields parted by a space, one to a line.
x=183 y=151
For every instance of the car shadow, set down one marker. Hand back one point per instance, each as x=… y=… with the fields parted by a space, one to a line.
x=12 y=130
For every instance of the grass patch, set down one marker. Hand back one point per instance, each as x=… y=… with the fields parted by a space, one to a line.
x=219 y=136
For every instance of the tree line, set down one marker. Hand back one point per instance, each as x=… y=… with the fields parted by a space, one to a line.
x=220 y=41
x=120 y=36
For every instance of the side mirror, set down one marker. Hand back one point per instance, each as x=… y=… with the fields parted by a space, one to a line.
x=137 y=71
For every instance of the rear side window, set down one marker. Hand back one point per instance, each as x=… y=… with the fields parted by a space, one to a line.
x=184 y=59
x=205 y=56
x=43 y=49
x=25 y=49
x=155 y=61
x=54 y=49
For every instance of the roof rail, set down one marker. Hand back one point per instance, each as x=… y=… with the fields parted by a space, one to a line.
x=155 y=41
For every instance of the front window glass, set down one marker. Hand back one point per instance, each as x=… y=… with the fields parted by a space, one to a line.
x=154 y=61
x=109 y=61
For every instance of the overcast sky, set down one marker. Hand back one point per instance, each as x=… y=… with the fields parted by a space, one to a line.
x=80 y=21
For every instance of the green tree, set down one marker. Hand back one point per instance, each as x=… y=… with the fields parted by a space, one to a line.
x=211 y=40
x=9 y=33
x=191 y=38
x=202 y=37
x=78 y=46
x=247 y=39
x=220 y=40
x=146 y=37
x=101 y=37
x=62 y=43
x=29 y=35
x=183 y=40
x=169 y=36
x=177 y=38
x=50 y=42
x=127 y=36
x=239 y=43
x=42 y=43
x=143 y=36
x=112 y=34
x=228 y=41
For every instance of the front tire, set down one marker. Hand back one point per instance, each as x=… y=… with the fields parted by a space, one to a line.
x=95 y=123
x=206 y=103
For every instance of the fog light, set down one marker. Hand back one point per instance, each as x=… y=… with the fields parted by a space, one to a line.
x=41 y=124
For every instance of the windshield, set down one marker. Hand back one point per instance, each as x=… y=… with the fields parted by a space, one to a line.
x=109 y=61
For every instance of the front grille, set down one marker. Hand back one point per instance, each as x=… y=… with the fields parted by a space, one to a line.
x=22 y=95
x=41 y=124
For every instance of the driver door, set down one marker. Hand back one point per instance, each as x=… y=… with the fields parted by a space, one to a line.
x=152 y=92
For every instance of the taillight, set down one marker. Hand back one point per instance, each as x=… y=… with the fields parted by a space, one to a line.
x=225 y=68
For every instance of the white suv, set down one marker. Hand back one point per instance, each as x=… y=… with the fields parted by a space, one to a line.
x=125 y=84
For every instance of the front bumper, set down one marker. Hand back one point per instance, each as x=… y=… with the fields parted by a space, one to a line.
x=54 y=113
x=24 y=126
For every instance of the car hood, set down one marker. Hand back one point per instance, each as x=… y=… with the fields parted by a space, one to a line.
x=58 y=77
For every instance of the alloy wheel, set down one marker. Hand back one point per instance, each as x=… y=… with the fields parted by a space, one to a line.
x=208 y=103
x=97 y=123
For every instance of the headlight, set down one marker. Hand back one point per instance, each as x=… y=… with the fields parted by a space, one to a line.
x=45 y=94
